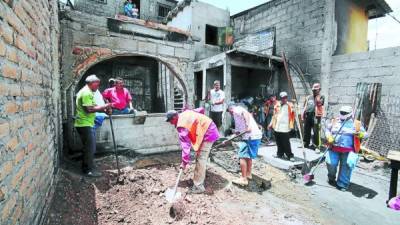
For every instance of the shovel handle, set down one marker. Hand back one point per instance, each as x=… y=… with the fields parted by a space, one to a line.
x=177 y=181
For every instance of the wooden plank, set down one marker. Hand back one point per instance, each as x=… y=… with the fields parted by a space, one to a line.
x=394 y=155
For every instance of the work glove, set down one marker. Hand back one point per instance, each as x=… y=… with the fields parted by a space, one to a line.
x=330 y=139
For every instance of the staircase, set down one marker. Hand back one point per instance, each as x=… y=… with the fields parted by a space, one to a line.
x=178 y=99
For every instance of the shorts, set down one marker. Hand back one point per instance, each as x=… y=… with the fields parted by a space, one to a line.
x=248 y=149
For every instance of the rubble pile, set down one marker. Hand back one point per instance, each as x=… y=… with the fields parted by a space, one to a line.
x=139 y=199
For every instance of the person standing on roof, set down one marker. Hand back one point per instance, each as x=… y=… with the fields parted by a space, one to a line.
x=217 y=98
x=248 y=149
x=85 y=120
x=120 y=98
x=282 y=123
x=197 y=131
x=130 y=9
x=344 y=148
x=312 y=115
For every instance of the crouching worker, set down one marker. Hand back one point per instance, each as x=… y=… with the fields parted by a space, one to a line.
x=344 y=135
x=86 y=109
x=199 y=132
x=244 y=122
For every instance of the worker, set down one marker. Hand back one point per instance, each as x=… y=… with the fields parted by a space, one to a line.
x=120 y=98
x=197 y=131
x=344 y=135
x=216 y=97
x=130 y=9
x=312 y=114
x=248 y=150
x=84 y=122
x=282 y=123
x=269 y=112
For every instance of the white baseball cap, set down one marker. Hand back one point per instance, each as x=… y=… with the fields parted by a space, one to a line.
x=283 y=94
x=92 y=78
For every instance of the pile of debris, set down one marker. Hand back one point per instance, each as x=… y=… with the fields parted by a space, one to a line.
x=139 y=199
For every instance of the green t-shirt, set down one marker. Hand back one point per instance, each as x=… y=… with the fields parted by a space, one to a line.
x=85 y=97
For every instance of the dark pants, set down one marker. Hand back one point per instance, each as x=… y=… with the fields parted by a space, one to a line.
x=88 y=137
x=283 y=144
x=312 y=123
x=216 y=118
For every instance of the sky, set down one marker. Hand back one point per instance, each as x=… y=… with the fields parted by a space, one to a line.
x=382 y=33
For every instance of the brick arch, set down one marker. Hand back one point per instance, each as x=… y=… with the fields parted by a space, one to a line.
x=89 y=57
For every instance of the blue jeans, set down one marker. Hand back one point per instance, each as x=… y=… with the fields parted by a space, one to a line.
x=122 y=111
x=268 y=132
x=347 y=161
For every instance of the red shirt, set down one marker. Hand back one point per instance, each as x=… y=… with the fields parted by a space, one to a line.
x=119 y=98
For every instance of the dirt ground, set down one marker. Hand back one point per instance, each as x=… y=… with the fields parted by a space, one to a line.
x=140 y=199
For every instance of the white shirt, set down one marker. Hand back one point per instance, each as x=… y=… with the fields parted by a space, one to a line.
x=98 y=98
x=282 y=120
x=217 y=96
x=241 y=126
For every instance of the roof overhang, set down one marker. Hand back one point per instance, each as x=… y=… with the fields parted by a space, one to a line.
x=377 y=8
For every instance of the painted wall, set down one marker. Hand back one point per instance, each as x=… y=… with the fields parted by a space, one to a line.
x=352 y=26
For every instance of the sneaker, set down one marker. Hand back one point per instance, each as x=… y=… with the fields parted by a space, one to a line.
x=241 y=181
x=291 y=159
x=342 y=189
x=277 y=156
x=332 y=183
x=250 y=177
x=197 y=189
x=94 y=173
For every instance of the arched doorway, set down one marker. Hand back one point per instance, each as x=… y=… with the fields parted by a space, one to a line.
x=148 y=80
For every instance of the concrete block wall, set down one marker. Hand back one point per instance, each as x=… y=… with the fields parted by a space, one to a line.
x=380 y=66
x=29 y=105
x=299 y=28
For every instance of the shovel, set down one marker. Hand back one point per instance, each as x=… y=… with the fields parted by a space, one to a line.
x=171 y=194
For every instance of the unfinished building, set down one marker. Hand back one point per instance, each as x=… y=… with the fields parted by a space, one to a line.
x=167 y=66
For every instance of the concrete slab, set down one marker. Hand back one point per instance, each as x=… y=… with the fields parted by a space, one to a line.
x=267 y=153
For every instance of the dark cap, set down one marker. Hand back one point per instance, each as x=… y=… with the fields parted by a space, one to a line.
x=171 y=114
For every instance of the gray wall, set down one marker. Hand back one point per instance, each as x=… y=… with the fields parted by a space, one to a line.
x=148 y=8
x=380 y=66
x=299 y=30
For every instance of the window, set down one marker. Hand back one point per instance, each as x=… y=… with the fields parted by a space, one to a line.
x=163 y=10
x=211 y=35
x=100 y=1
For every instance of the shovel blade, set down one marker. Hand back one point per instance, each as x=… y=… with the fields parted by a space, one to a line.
x=172 y=195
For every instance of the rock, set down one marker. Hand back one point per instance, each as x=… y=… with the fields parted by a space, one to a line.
x=132 y=178
x=193 y=220
x=121 y=220
x=156 y=191
x=115 y=212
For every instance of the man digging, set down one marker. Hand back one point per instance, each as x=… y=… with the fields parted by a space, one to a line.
x=199 y=132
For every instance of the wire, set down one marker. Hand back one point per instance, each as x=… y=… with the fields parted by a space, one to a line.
x=393 y=17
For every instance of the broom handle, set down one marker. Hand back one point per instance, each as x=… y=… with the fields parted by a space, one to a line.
x=177 y=181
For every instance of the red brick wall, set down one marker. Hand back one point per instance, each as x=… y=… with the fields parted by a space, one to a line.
x=29 y=106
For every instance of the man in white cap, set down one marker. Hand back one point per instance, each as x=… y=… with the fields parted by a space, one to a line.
x=282 y=123
x=86 y=109
x=197 y=131
x=312 y=114
x=248 y=149
x=344 y=136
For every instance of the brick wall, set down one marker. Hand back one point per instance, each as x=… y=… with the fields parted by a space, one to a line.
x=29 y=105
x=380 y=66
x=299 y=28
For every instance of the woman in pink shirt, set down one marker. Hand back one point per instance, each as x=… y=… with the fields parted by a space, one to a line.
x=119 y=97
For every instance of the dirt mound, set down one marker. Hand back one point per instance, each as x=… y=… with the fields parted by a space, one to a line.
x=138 y=200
